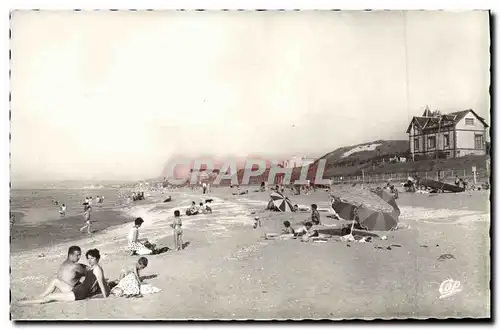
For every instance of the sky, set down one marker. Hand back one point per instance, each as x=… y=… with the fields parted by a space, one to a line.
x=112 y=95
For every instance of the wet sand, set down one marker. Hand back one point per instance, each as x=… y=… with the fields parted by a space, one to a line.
x=229 y=271
x=27 y=236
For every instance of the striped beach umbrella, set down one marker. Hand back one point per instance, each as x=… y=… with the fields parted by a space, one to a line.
x=373 y=210
x=281 y=202
x=388 y=198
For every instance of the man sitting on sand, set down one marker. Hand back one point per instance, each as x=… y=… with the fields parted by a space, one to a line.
x=94 y=280
x=69 y=274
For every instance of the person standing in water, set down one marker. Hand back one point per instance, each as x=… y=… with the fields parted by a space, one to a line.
x=62 y=210
x=86 y=216
x=177 y=226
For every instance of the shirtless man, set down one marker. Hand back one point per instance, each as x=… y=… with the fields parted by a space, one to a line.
x=69 y=274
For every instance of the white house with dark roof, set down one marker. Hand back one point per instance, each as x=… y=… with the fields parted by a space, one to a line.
x=455 y=134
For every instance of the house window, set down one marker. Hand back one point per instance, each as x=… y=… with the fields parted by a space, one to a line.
x=416 y=145
x=446 y=140
x=478 y=141
x=469 y=121
x=431 y=142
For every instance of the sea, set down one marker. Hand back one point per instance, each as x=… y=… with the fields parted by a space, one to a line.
x=37 y=222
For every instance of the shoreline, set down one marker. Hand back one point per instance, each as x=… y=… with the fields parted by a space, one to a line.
x=43 y=228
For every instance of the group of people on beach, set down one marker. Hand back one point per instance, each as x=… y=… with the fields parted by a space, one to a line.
x=138 y=246
x=306 y=232
x=76 y=281
x=197 y=209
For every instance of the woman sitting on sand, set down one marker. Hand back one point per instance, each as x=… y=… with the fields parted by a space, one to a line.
x=134 y=244
x=129 y=281
x=93 y=282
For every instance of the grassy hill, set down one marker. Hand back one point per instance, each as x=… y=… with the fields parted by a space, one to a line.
x=373 y=158
x=380 y=149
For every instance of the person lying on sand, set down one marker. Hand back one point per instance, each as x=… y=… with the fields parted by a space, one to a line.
x=307 y=232
x=286 y=232
x=134 y=244
x=69 y=274
x=94 y=280
x=297 y=208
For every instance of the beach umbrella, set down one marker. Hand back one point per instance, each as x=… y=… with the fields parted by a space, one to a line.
x=387 y=197
x=372 y=210
x=281 y=202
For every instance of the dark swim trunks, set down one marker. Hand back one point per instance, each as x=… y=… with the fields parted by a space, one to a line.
x=85 y=289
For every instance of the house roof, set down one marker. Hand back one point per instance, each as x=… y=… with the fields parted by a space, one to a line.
x=427 y=112
x=446 y=120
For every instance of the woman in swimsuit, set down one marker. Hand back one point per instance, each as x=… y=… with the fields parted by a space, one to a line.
x=93 y=281
x=177 y=226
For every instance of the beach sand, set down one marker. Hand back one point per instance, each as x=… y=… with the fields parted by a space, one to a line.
x=228 y=271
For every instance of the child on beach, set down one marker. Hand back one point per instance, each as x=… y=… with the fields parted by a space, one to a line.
x=287 y=228
x=129 y=284
x=205 y=209
x=135 y=268
x=286 y=233
x=315 y=216
x=307 y=232
x=86 y=216
x=193 y=210
x=177 y=226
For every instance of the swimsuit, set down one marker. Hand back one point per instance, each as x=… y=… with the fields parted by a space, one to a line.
x=87 y=288
x=177 y=226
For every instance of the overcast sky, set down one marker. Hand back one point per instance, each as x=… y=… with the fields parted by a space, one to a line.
x=110 y=95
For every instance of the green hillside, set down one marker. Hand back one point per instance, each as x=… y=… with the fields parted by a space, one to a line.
x=374 y=158
x=384 y=149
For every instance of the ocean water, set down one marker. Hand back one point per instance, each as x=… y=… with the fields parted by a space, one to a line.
x=37 y=221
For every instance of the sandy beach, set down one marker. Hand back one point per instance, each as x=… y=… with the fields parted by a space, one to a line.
x=228 y=271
